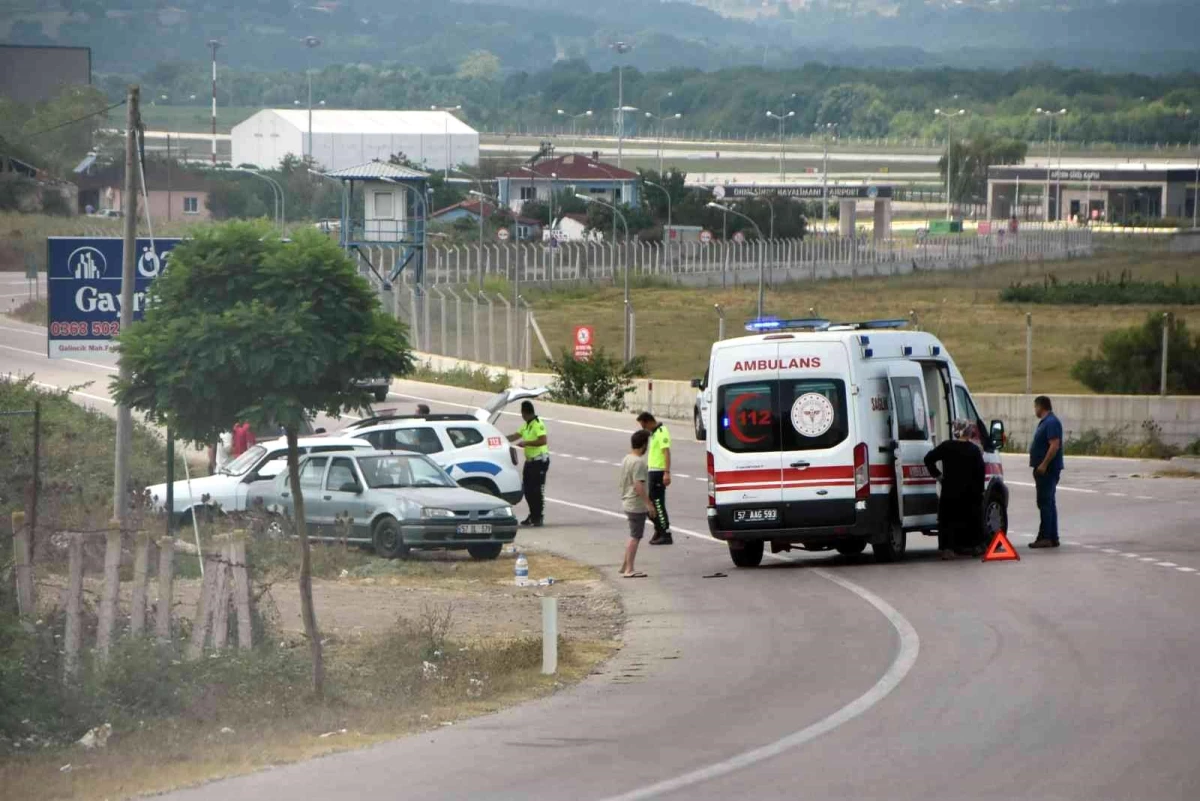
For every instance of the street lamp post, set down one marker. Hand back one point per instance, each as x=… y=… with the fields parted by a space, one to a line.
x=662 y=123
x=949 y=115
x=620 y=48
x=1050 y=155
x=783 y=118
x=446 y=130
x=827 y=128
x=574 y=118
x=309 y=43
x=667 y=230
x=612 y=178
x=762 y=262
x=213 y=45
x=616 y=214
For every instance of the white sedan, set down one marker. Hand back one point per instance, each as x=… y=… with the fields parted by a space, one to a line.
x=235 y=483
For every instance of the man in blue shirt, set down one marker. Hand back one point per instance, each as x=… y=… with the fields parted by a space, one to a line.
x=1046 y=459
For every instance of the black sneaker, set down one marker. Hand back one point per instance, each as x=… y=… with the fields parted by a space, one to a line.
x=663 y=540
x=529 y=521
x=1043 y=543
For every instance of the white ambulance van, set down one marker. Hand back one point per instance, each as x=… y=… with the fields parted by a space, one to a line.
x=817 y=434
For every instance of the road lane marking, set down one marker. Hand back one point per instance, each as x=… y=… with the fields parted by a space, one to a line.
x=1148 y=559
x=109 y=401
x=36 y=333
x=93 y=365
x=906 y=657
x=1186 y=569
x=1060 y=487
x=1165 y=564
x=1110 y=550
x=1117 y=495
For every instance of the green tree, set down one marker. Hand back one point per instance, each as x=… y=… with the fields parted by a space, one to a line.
x=247 y=327
x=601 y=382
x=1130 y=360
x=971 y=159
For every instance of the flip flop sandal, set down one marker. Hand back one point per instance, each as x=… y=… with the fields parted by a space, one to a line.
x=715 y=575
x=633 y=575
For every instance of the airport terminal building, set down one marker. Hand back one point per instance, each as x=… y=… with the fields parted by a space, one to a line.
x=1100 y=192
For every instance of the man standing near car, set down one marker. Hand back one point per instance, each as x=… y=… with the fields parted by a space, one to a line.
x=1046 y=459
x=960 y=503
x=659 y=461
x=532 y=437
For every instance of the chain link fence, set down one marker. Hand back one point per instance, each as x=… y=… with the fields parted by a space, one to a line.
x=457 y=312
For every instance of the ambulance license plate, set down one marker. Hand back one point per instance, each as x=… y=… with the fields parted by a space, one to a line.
x=755 y=515
x=475 y=528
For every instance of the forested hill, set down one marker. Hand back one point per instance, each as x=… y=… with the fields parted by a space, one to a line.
x=1145 y=36
x=862 y=102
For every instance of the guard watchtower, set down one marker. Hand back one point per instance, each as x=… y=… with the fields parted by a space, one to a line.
x=385 y=210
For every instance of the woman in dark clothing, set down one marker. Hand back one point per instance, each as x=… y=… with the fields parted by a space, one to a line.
x=960 y=508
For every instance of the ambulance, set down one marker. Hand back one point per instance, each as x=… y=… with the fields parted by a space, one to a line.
x=817 y=433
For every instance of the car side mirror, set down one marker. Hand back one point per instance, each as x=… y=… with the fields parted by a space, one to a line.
x=997 y=433
x=351 y=486
x=697 y=383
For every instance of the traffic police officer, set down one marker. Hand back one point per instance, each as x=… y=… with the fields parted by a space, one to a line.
x=532 y=437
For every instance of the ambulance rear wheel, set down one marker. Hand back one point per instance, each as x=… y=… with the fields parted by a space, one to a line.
x=698 y=425
x=852 y=548
x=892 y=548
x=746 y=554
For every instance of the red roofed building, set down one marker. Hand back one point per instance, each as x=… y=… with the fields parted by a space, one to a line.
x=470 y=209
x=588 y=175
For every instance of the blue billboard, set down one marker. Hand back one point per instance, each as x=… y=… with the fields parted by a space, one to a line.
x=84 y=288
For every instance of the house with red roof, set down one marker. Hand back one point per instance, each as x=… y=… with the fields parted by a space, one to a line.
x=587 y=175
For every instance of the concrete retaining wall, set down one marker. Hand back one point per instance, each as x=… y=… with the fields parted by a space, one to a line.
x=1177 y=416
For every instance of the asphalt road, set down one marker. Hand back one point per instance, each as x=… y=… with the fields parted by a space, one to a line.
x=1068 y=675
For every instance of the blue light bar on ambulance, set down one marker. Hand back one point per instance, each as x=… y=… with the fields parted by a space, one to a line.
x=935 y=350
x=810 y=323
x=908 y=350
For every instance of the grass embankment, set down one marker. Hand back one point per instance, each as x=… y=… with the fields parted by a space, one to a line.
x=409 y=645
x=478 y=379
x=676 y=326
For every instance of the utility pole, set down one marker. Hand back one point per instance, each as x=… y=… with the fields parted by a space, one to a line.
x=309 y=42
x=1162 y=378
x=214 y=44
x=949 y=115
x=128 y=263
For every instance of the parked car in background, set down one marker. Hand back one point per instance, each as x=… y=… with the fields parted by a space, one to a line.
x=234 y=484
x=468 y=446
x=379 y=386
x=395 y=502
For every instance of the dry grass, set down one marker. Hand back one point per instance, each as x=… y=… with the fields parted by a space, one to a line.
x=169 y=756
x=31 y=311
x=1172 y=472
x=675 y=327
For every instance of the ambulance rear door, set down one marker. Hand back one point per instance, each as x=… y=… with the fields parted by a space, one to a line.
x=817 y=433
x=744 y=440
x=911 y=441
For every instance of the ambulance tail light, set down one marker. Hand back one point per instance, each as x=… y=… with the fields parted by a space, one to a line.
x=862 y=473
x=712 y=482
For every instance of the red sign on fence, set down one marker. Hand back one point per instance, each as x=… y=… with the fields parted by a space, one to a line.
x=583 y=342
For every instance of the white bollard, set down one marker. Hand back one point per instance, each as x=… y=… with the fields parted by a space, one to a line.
x=549 y=636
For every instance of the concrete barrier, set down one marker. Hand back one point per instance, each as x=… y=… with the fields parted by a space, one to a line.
x=1176 y=416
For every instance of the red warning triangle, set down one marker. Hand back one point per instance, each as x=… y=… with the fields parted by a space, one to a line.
x=1001 y=550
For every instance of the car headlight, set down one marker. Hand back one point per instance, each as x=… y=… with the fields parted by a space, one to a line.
x=431 y=512
x=503 y=511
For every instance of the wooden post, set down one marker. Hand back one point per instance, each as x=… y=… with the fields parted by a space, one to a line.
x=24 y=567
x=220 y=606
x=203 y=611
x=166 y=583
x=241 y=588
x=112 y=586
x=74 y=602
x=141 y=566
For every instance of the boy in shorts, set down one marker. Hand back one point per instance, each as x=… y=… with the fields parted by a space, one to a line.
x=635 y=498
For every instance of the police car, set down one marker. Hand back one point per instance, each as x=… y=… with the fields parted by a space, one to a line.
x=817 y=433
x=467 y=446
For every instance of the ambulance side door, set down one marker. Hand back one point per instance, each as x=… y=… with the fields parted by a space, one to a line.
x=745 y=444
x=911 y=441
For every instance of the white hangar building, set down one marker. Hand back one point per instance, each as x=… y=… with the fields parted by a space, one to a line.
x=348 y=138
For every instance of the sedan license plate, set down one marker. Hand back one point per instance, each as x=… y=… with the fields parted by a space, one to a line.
x=755 y=515
x=475 y=528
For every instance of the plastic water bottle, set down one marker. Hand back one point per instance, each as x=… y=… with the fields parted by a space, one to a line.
x=521 y=570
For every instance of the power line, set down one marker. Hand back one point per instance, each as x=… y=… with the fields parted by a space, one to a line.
x=72 y=122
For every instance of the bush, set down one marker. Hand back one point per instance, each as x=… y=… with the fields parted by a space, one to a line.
x=465 y=377
x=1129 y=361
x=601 y=382
x=1103 y=291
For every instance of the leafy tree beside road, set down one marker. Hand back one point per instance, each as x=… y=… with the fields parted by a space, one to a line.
x=247 y=327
